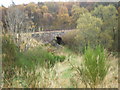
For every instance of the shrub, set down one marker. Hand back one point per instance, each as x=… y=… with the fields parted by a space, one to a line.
x=9 y=52
x=9 y=49
x=89 y=31
x=69 y=40
x=39 y=77
x=37 y=56
x=95 y=67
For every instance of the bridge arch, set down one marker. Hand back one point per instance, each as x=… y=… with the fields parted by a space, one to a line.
x=58 y=40
x=49 y=36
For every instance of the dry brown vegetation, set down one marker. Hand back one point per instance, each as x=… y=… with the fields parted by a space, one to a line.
x=62 y=75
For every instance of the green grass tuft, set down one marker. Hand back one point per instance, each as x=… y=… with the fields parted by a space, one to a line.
x=95 y=67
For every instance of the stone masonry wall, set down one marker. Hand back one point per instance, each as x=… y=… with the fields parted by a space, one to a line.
x=47 y=37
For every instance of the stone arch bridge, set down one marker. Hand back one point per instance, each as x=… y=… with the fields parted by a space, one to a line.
x=48 y=36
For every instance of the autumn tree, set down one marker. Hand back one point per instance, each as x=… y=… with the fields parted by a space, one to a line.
x=48 y=19
x=52 y=7
x=69 y=5
x=2 y=19
x=118 y=31
x=44 y=9
x=108 y=14
x=89 y=29
x=34 y=15
x=15 y=19
x=63 y=19
x=17 y=22
x=76 y=11
x=30 y=8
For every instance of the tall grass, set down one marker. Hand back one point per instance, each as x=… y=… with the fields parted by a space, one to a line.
x=9 y=49
x=9 y=52
x=94 y=67
x=37 y=78
x=26 y=61
x=38 y=56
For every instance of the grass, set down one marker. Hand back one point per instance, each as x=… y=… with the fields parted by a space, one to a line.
x=60 y=75
x=40 y=77
x=94 y=67
x=37 y=56
x=21 y=66
x=38 y=68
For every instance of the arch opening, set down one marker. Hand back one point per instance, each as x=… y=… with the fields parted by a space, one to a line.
x=59 y=40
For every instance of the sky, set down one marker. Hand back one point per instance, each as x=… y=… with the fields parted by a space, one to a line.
x=7 y=3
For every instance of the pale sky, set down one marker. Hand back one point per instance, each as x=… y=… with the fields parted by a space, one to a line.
x=8 y=2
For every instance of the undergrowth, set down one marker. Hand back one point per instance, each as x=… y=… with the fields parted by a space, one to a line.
x=38 y=56
x=26 y=61
x=94 y=67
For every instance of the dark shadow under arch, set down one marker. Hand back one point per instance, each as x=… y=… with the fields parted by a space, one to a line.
x=59 y=40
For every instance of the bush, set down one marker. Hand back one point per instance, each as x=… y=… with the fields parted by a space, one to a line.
x=29 y=59
x=70 y=41
x=9 y=52
x=37 y=56
x=9 y=49
x=24 y=61
x=95 y=67
x=89 y=31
